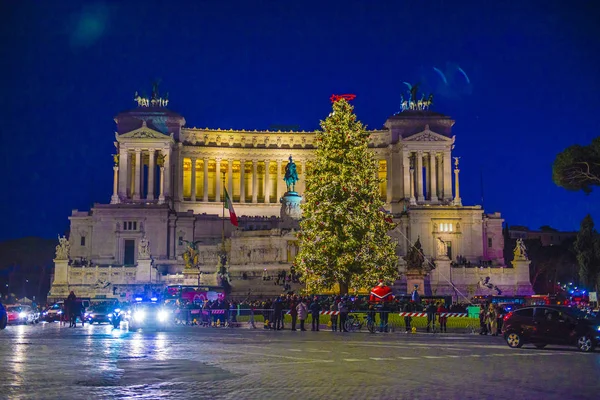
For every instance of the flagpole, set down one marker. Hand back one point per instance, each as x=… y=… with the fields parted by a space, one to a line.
x=223 y=214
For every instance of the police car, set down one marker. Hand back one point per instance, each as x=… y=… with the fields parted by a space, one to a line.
x=146 y=314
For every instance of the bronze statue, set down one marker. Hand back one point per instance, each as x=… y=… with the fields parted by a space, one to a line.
x=291 y=175
x=415 y=258
x=116 y=159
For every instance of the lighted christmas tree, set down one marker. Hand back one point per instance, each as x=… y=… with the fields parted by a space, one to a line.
x=343 y=235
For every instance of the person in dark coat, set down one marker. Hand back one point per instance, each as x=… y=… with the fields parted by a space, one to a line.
x=408 y=308
x=69 y=305
x=315 y=309
x=431 y=311
x=277 y=310
x=294 y=312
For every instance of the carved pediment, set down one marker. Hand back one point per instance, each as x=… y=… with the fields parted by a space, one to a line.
x=427 y=136
x=144 y=133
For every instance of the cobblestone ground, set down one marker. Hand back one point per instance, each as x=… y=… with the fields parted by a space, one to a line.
x=49 y=361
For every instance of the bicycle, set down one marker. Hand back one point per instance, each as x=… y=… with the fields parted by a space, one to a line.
x=353 y=323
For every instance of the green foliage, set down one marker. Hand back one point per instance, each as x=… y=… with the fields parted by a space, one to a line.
x=587 y=249
x=343 y=235
x=578 y=167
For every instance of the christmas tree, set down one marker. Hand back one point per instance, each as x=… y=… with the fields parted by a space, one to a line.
x=343 y=235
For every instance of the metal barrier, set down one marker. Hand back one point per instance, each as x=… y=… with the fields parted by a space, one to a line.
x=396 y=321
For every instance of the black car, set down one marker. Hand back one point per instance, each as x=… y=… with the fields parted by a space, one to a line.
x=100 y=313
x=543 y=325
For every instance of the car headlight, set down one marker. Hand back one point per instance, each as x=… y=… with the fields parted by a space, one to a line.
x=117 y=310
x=45 y=313
x=139 y=315
x=598 y=328
x=110 y=315
x=60 y=312
x=22 y=314
x=163 y=315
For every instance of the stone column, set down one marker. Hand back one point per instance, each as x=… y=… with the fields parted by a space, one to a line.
x=254 y=181
x=167 y=165
x=388 y=176
x=419 y=185
x=124 y=168
x=193 y=183
x=138 y=170
x=151 y=173
x=242 y=181
x=179 y=171
x=205 y=179
x=115 y=196
x=440 y=177
x=218 y=178
x=432 y=177
x=230 y=178
x=412 y=199
x=142 y=175
x=457 y=200
x=267 y=190
x=407 y=172
x=447 y=176
x=279 y=184
x=161 y=186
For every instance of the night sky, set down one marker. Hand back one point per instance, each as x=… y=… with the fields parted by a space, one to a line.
x=69 y=67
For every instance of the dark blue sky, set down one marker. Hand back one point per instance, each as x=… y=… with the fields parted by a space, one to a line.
x=69 y=67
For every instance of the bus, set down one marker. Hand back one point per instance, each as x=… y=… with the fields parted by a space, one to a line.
x=192 y=294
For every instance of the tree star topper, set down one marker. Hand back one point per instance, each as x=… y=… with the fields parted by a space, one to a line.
x=337 y=97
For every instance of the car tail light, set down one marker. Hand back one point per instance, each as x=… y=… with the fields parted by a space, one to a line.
x=507 y=316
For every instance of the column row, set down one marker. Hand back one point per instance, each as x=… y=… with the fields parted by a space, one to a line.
x=246 y=181
x=427 y=176
x=137 y=173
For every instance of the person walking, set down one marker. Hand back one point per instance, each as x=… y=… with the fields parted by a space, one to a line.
x=315 y=310
x=302 y=313
x=343 y=307
x=277 y=310
x=294 y=312
x=442 y=318
x=482 y=322
x=408 y=308
x=431 y=311
x=334 y=318
x=70 y=305
x=492 y=320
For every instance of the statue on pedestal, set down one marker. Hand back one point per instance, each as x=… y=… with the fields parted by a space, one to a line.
x=62 y=249
x=520 y=251
x=160 y=160
x=442 y=249
x=415 y=258
x=144 y=249
x=191 y=255
x=291 y=175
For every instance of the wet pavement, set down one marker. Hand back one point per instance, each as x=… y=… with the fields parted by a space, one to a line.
x=49 y=361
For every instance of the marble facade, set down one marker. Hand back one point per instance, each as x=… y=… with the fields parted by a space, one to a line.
x=168 y=185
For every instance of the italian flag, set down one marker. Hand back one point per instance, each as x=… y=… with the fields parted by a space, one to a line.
x=229 y=206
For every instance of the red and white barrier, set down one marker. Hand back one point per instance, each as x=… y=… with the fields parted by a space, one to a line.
x=422 y=314
x=321 y=312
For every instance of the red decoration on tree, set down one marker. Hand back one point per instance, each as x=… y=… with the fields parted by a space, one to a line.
x=337 y=97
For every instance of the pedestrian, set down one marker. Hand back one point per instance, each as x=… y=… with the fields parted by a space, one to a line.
x=343 y=307
x=482 y=322
x=69 y=305
x=442 y=318
x=277 y=310
x=315 y=310
x=302 y=313
x=334 y=318
x=408 y=308
x=431 y=311
x=492 y=320
x=294 y=312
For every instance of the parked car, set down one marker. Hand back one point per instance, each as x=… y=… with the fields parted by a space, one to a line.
x=3 y=317
x=543 y=325
x=18 y=314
